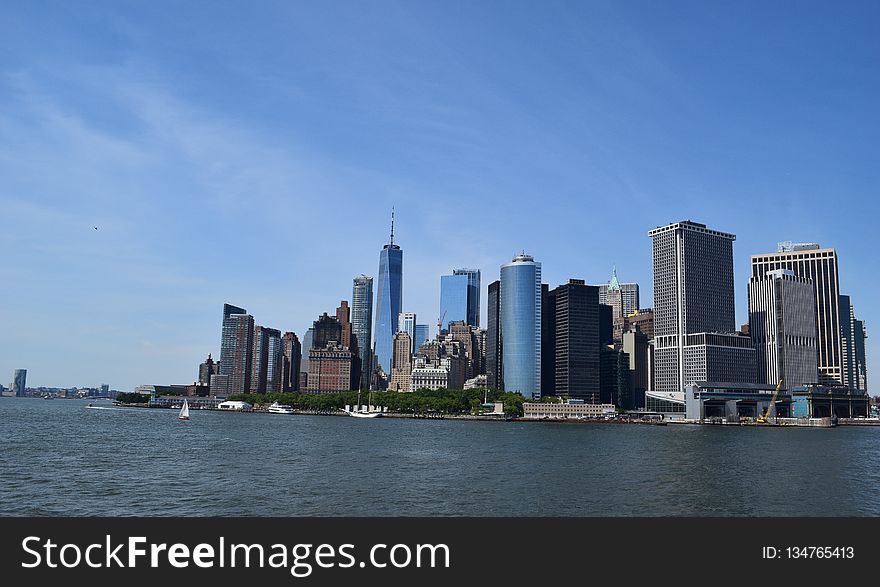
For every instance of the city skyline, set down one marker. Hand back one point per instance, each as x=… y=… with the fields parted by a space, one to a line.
x=603 y=123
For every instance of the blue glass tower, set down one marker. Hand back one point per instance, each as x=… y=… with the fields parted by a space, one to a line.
x=460 y=297
x=389 y=293
x=453 y=299
x=423 y=332
x=521 y=325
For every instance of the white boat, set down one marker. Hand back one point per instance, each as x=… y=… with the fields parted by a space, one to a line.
x=368 y=411
x=184 y=411
x=277 y=408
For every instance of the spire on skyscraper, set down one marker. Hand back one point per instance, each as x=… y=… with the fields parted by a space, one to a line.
x=614 y=284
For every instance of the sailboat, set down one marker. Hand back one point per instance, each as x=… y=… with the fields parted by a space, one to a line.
x=184 y=411
x=369 y=411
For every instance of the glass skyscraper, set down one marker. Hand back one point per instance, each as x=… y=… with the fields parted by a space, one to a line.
x=362 y=324
x=407 y=323
x=423 y=333
x=521 y=325
x=389 y=295
x=460 y=297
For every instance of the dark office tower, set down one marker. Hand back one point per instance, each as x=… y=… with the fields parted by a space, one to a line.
x=362 y=324
x=266 y=362
x=548 y=340
x=389 y=299
x=494 y=379
x=292 y=358
x=615 y=385
x=227 y=337
x=819 y=265
x=576 y=333
x=241 y=329
x=206 y=369
x=635 y=345
x=307 y=345
x=19 y=382
x=693 y=293
x=606 y=325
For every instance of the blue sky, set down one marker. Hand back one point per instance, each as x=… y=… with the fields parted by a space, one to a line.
x=250 y=153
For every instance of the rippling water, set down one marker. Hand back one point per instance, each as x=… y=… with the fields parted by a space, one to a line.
x=59 y=458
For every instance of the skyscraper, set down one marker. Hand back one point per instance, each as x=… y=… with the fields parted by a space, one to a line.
x=266 y=362
x=227 y=337
x=460 y=297
x=573 y=355
x=19 y=382
x=820 y=266
x=406 y=321
x=521 y=325
x=693 y=293
x=401 y=368
x=622 y=297
x=494 y=348
x=782 y=325
x=362 y=324
x=852 y=334
x=423 y=333
x=241 y=329
x=292 y=357
x=389 y=300
x=307 y=345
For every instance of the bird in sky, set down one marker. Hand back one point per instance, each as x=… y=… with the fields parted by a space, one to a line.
x=95 y=227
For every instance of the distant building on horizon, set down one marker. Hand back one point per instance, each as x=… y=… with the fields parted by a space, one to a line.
x=206 y=370
x=19 y=382
x=362 y=324
x=521 y=325
x=622 y=297
x=389 y=300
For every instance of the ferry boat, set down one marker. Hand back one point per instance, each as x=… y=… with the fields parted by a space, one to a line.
x=277 y=408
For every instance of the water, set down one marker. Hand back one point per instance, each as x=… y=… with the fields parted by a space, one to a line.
x=59 y=458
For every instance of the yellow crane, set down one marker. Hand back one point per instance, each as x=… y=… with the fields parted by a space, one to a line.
x=765 y=417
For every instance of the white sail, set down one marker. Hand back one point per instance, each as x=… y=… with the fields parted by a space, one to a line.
x=184 y=411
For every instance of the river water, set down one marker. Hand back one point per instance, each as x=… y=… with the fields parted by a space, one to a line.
x=59 y=458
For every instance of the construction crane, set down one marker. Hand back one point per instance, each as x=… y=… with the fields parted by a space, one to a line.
x=440 y=323
x=765 y=417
